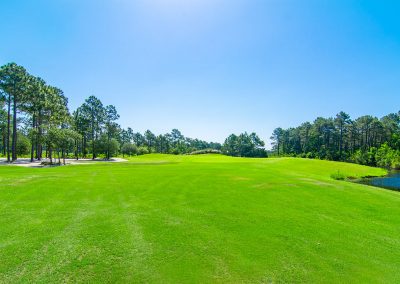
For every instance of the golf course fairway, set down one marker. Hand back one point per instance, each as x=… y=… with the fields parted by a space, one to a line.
x=197 y=219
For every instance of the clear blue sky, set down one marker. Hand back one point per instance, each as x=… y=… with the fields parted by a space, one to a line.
x=212 y=67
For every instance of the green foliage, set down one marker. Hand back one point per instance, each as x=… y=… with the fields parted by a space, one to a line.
x=360 y=157
x=60 y=140
x=113 y=147
x=43 y=107
x=205 y=151
x=386 y=157
x=338 y=176
x=108 y=146
x=341 y=138
x=129 y=149
x=142 y=150
x=170 y=143
x=244 y=145
x=23 y=145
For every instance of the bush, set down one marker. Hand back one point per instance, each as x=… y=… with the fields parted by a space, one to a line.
x=338 y=176
x=175 y=151
x=129 y=149
x=386 y=157
x=365 y=158
x=142 y=150
x=396 y=162
x=310 y=155
x=114 y=147
x=23 y=145
x=103 y=145
x=260 y=153
x=205 y=151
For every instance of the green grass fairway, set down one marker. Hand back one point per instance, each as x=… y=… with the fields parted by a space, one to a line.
x=191 y=219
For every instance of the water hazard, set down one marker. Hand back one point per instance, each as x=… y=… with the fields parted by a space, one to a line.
x=391 y=181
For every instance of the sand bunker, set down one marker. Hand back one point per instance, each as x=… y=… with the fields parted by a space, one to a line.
x=25 y=162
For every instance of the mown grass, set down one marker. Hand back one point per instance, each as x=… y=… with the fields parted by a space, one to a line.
x=207 y=218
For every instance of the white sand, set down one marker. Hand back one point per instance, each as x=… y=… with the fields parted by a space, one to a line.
x=25 y=162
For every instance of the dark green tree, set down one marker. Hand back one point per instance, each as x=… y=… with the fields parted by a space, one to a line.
x=94 y=112
x=111 y=126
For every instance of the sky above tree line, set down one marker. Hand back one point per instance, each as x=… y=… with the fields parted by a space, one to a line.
x=212 y=67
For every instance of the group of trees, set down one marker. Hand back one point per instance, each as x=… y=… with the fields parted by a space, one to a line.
x=35 y=120
x=135 y=143
x=34 y=115
x=366 y=140
x=97 y=127
x=244 y=145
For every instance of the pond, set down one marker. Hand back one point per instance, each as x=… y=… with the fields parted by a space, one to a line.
x=391 y=181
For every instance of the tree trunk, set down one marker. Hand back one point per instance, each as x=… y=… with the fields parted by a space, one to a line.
x=8 y=128
x=93 y=138
x=14 y=140
x=278 y=146
x=340 y=142
x=4 y=142
x=84 y=146
x=76 y=149
x=40 y=146
x=93 y=147
x=108 y=147
x=33 y=138
x=50 y=154
x=37 y=140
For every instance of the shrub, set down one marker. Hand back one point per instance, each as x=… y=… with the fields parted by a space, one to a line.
x=310 y=155
x=387 y=157
x=23 y=145
x=365 y=158
x=142 y=150
x=175 y=151
x=205 y=151
x=103 y=145
x=129 y=149
x=338 y=176
x=396 y=162
x=384 y=156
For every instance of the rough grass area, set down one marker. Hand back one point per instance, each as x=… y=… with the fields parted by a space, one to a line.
x=190 y=219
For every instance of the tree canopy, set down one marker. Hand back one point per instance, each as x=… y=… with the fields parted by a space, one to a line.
x=244 y=145
x=365 y=140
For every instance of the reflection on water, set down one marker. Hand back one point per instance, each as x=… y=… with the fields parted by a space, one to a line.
x=391 y=181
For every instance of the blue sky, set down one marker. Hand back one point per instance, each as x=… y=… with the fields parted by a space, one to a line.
x=212 y=67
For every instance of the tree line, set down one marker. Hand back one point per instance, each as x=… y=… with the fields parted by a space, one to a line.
x=135 y=143
x=365 y=140
x=35 y=120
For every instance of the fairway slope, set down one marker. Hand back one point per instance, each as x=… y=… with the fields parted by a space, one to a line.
x=207 y=218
